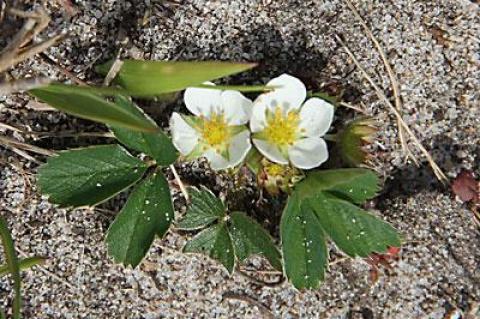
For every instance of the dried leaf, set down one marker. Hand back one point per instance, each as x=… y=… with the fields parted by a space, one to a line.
x=466 y=187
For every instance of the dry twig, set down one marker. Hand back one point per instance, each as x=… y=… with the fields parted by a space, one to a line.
x=436 y=169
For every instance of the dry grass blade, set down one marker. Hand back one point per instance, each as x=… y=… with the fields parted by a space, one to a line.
x=183 y=189
x=22 y=85
x=7 y=141
x=391 y=75
x=112 y=73
x=271 y=284
x=50 y=273
x=350 y=106
x=436 y=169
x=266 y=313
x=16 y=52
x=60 y=68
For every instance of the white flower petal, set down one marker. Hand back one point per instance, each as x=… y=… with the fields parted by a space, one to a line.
x=290 y=94
x=239 y=147
x=316 y=116
x=258 y=119
x=270 y=151
x=236 y=107
x=201 y=101
x=308 y=153
x=184 y=137
x=217 y=161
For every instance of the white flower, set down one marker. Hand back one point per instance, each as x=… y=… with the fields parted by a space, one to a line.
x=217 y=131
x=286 y=131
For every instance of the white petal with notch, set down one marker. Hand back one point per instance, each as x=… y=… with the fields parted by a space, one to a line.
x=201 y=101
x=316 y=116
x=236 y=107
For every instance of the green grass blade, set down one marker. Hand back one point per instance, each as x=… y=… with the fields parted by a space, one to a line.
x=13 y=266
x=152 y=78
x=23 y=264
x=240 y=88
x=75 y=101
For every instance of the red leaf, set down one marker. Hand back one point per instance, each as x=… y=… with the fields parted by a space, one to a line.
x=466 y=187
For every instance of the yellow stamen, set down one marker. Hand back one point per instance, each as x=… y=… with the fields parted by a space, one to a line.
x=215 y=131
x=282 y=129
x=273 y=169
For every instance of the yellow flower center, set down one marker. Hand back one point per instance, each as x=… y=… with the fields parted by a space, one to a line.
x=273 y=169
x=282 y=129
x=215 y=131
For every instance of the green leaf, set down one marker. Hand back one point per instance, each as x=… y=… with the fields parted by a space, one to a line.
x=249 y=238
x=156 y=144
x=13 y=266
x=88 y=176
x=353 y=230
x=23 y=264
x=214 y=241
x=204 y=209
x=148 y=212
x=354 y=184
x=323 y=205
x=75 y=101
x=151 y=78
x=303 y=244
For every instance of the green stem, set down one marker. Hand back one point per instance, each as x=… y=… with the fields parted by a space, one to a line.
x=331 y=137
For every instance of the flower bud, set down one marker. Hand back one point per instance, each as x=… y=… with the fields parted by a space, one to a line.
x=353 y=139
x=275 y=177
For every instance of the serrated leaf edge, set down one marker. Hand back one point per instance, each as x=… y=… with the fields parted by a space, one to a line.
x=47 y=195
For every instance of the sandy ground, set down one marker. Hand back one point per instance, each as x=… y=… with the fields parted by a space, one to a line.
x=434 y=48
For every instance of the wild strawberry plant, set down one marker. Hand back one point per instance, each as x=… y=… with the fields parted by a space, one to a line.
x=280 y=137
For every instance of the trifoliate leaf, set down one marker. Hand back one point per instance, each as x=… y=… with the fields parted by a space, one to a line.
x=148 y=212
x=354 y=184
x=354 y=231
x=249 y=238
x=75 y=101
x=215 y=242
x=303 y=243
x=323 y=205
x=204 y=209
x=88 y=176
x=156 y=144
